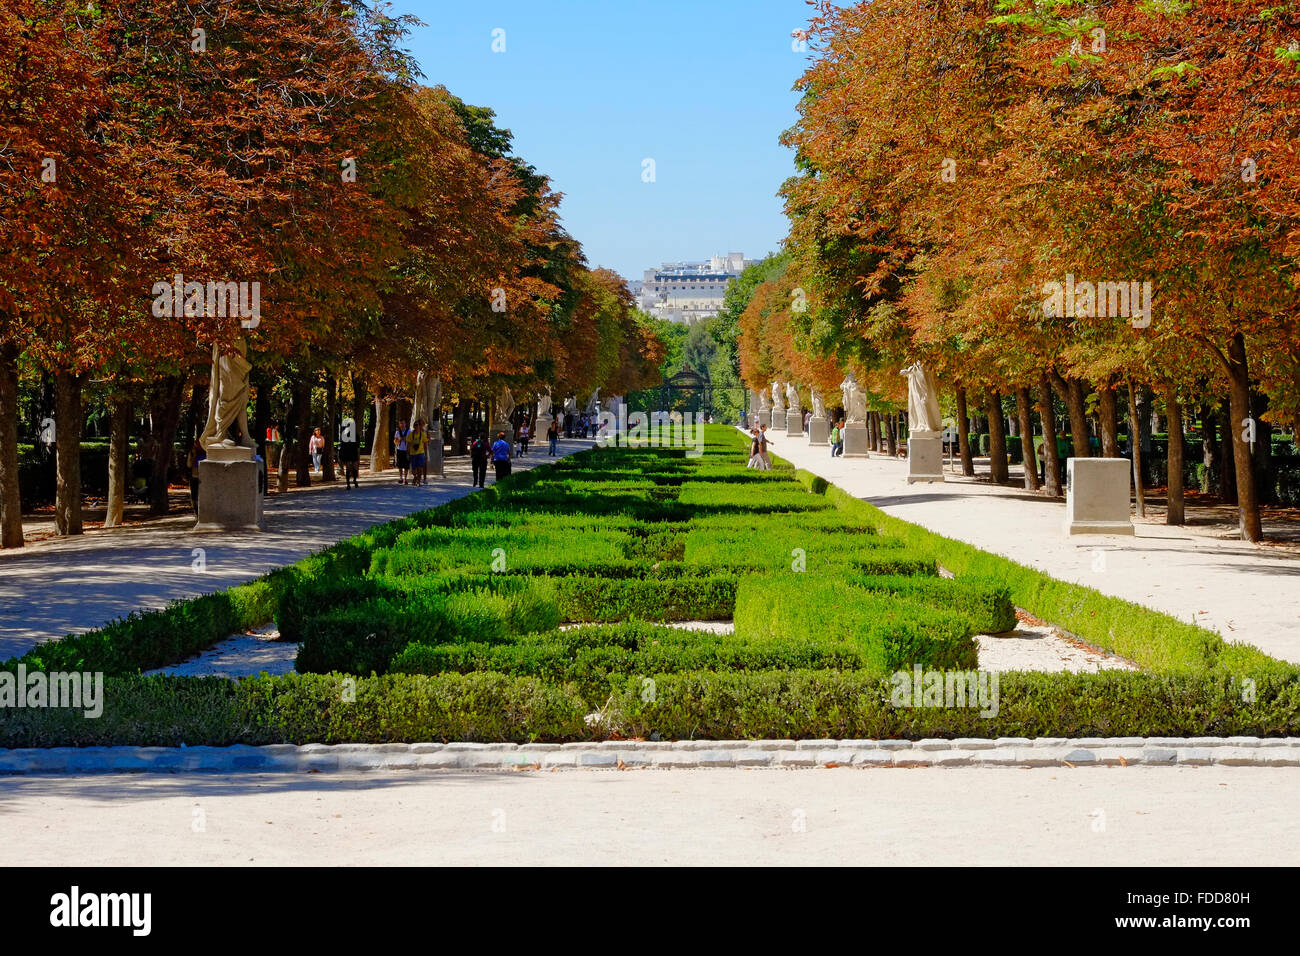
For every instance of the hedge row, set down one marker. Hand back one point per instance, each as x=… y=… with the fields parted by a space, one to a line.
x=781 y=704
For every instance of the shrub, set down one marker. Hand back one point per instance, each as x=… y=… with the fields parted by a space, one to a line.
x=891 y=631
x=669 y=599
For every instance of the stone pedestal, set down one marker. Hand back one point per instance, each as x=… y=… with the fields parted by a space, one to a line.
x=543 y=426
x=1097 y=496
x=435 y=464
x=510 y=435
x=229 y=499
x=819 y=432
x=924 y=457
x=856 y=441
x=765 y=418
x=794 y=423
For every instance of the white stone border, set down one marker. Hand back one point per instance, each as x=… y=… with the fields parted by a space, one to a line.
x=961 y=752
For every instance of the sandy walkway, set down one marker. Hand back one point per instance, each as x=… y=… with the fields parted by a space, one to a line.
x=1245 y=592
x=1094 y=816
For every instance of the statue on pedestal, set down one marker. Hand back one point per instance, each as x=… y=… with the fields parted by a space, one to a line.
x=818 y=404
x=764 y=403
x=792 y=397
x=228 y=406
x=778 y=403
x=922 y=400
x=544 y=403
x=855 y=403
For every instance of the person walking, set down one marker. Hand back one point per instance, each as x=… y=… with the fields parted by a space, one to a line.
x=478 y=459
x=350 y=456
x=765 y=463
x=524 y=434
x=501 y=456
x=401 y=451
x=755 y=450
x=316 y=447
x=552 y=436
x=837 y=440
x=417 y=444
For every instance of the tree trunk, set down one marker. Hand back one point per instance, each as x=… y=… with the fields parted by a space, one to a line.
x=1051 y=454
x=891 y=435
x=1174 y=509
x=963 y=435
x=1024 y=412
x=1239 y=405
x=67 y=433
x=1262 y=452
x=1106 y=413
x=379 y=446
x=165 y=414
x=11 y=506
x=1134 y=420
x=997 y=438
x=1209 y=444
x=1227 y=466
x=359 y=404
x=1072 y=395
x=302 y=399
x=119 y=454
x=327 y=428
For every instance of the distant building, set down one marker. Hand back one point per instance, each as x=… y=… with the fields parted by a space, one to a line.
x=687 y=291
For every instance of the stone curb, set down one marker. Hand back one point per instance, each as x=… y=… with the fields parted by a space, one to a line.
x=610 y=755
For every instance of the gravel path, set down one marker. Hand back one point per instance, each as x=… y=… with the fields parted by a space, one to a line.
x=1143 y=816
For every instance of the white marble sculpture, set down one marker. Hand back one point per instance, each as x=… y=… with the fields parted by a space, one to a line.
x=544 y=403
x=593 y=403
x=923 y=415
x=228 y=404
x=818 y=404
x=792 y=397
x=764 y=403
x=778 y=402
x=855 y=403
x=505 y=405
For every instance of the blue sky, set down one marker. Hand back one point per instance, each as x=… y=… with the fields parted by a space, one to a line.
x=591 y=88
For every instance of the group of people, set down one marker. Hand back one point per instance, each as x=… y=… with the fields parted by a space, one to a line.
x=837 y=439
x=411 y=450
x=580 y=426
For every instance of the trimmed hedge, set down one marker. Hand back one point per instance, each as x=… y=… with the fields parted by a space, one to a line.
x=892 y=632
x=711 y=705
x=671 y=599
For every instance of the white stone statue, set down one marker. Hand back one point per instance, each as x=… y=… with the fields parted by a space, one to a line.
x=228 y=404
x=571 y=406
x=764 y=403
x=593 y=403
x=778 y=401
x=855 y=403
x=818 y=404
x=922 y=400
x=505 y=405
x=428 y=399
x=792 y=396
x=544 y=403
